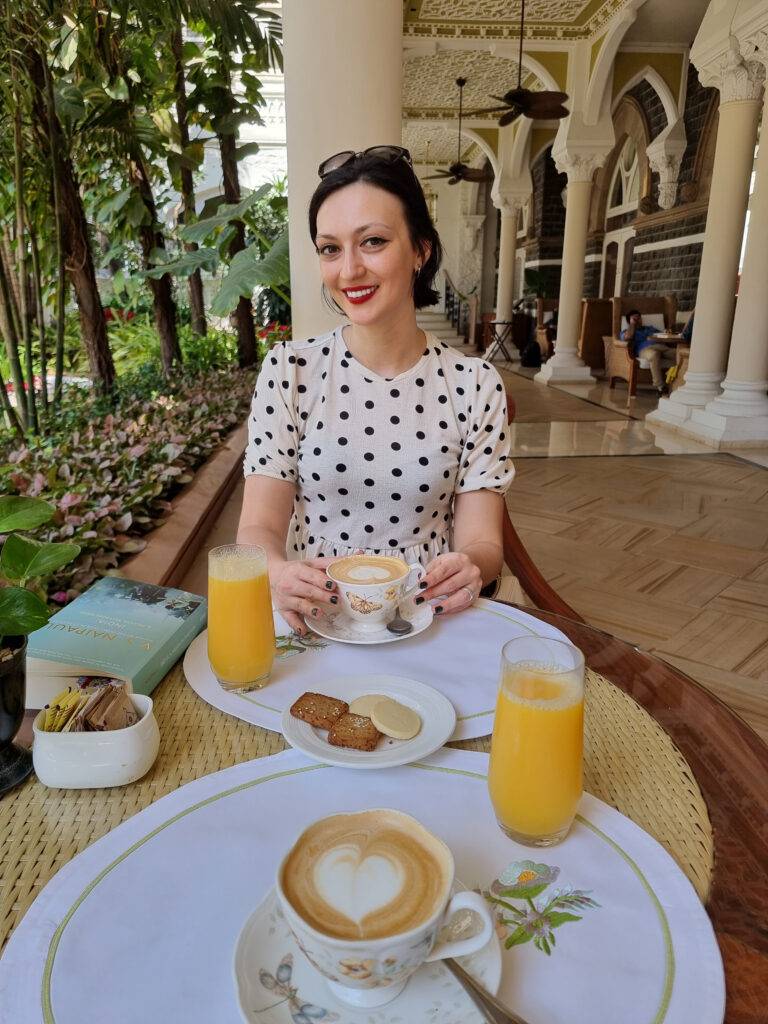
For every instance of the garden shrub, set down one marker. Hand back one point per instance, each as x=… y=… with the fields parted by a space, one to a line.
x=111 y=465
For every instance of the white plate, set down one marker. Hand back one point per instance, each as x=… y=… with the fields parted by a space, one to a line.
x=431 y=995
x=342 y=628
x=438 y=720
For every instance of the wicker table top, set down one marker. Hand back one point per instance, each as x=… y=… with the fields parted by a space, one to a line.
x=631 y=762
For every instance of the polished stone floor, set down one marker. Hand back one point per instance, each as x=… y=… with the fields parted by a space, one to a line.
x=650 y=536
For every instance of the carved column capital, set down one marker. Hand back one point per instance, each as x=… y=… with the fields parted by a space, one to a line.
x=737 y=78
x=579 y=165
x=507 y=204
x=665 y=155
x=755 y=47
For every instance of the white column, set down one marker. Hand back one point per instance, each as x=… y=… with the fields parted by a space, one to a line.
x=740 y=89
x=343 y=90
x=565 y=365
x=739 y=416
x=505 y=291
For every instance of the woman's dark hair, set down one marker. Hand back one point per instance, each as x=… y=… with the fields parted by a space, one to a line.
x=398 y=179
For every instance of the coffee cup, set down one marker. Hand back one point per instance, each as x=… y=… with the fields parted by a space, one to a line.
x=372 y=586
x=367 y=895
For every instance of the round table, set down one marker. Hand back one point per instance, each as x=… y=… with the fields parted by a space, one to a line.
x=41 y=829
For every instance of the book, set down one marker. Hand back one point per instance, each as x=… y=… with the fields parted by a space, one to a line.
x=119 y=628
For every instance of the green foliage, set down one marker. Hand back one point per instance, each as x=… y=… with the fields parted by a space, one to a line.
x=248 y=270
x=25 y=564
x=113 y=73
x=110 y=465
x=134 y=343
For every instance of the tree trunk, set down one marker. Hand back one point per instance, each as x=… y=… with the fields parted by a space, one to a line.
x=195 y=282
x=11 y=339
x=75 y=251
x=10 y=412
x=61 y=279
x=82 y=274
x=151 y=237
x=39 y=316
x=243 y=315
x=9 y=266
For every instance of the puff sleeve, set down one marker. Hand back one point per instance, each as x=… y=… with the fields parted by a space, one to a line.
x=273 y=435
x=486 y=462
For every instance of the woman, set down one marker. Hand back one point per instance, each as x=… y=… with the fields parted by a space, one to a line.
x=375 y=436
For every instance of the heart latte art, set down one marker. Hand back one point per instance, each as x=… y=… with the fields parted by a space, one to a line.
x=366 y=876
x=368 y=569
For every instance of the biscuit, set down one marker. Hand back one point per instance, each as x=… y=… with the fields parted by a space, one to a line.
x=318 y=710
x=364 y=705
x=395 y=720
x=355 y=732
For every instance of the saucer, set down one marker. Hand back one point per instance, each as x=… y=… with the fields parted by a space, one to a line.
x=438 y=721
x=342 y=628
x=277 y=985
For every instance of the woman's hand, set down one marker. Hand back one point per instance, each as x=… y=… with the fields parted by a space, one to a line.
x=455 y=579
x=302 y=588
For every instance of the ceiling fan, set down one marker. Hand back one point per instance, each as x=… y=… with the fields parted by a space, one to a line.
x=536 y=105
x=458 y=171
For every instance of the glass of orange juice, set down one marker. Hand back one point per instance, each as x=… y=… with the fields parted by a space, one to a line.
x=241 y=630
x=534 y=776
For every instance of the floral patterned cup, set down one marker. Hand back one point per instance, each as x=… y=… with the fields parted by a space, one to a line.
x=372 y=972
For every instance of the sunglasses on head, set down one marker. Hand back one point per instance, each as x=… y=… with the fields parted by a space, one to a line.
x=390 y=154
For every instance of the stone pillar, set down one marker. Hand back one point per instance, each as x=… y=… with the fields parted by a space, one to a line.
x=739 y=416
x=505 y=292
x=740 y=86
x=565 y=365
x=343 y=90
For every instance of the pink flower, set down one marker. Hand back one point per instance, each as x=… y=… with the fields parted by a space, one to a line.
x=60 y=597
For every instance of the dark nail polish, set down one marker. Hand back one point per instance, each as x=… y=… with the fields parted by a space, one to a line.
x=418 y=600
x=438 y=609
x=423 y=585
x=334 y=600
x=329 y=584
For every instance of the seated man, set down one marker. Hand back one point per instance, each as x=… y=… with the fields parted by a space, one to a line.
x=645 y=348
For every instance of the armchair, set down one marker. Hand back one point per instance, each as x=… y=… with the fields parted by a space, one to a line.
x=621 y=362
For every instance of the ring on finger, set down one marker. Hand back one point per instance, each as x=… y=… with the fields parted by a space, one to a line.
x=471 y=594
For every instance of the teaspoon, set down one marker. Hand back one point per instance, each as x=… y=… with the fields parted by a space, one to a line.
x=398 y=625
x=493 y=1011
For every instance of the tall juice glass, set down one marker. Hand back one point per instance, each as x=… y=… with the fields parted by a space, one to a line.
x=534 y=777
x=241 y=631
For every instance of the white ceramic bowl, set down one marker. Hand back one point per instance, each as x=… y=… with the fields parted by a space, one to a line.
x=93 y=760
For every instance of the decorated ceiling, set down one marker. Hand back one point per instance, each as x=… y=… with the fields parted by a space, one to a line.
x=499 y=19
x=429 y=82
x=442 y=144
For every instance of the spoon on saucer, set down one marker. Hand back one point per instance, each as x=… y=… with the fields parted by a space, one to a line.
x=492 y=1010
x=398 y=625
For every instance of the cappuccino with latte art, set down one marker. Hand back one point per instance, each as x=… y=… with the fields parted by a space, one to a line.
x=368 y=875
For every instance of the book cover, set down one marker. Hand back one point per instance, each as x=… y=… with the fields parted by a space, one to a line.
x=118 y=627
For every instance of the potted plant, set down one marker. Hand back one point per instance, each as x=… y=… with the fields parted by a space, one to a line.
x=24 y=564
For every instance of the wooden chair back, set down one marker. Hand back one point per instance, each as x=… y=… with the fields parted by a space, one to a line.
x=596 y=322
x=520 y=563
x=545 y=306
x=486 y=320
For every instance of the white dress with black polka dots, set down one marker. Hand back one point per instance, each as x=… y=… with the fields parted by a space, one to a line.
x=376 y=461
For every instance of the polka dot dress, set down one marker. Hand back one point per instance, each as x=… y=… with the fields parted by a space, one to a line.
x=376 y=461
